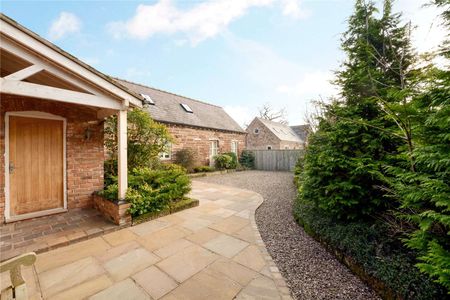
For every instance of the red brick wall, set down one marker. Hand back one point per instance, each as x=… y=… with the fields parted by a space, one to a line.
x=84 y=157
x=199 y=140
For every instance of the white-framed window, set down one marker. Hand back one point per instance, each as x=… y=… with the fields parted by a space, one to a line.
x=256 y=131
x=214 y=148
x=187 y=108
x=235 y=147
x=213 y=151
x=167 y=153
x=269 y=147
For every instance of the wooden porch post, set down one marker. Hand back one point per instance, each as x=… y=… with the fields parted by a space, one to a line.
x=122 y=162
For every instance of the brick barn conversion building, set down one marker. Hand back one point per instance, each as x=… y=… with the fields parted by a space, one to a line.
x=263 y=134
x=203 y=127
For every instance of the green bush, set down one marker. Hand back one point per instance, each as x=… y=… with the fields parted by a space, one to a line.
x=152 y=190
x=298 y=171
x=247 y=159
x=223 y=161
x=186 y=158
x=145 y=140
x=373 y=248
x=234 y=160
x=203 y=169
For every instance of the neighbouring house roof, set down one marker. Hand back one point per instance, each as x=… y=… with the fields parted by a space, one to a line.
x=281 y=131
x=168 y=108
x=301 y=130
x=134 y=98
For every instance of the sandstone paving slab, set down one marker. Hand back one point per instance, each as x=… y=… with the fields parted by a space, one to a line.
x=58 y=279
x=149 y=227
x=222 y=212
x=260 y=288
x=172 y=248
x=203 y=235
x=230 y=224
x=232 y=270
x=225 y=245
x=172 y=219
x=187 y=262
x=117 y=251
x=155 y=282
x=205 y=286
x=246 y=234
x=130 y=263
x=62 y=256
x=251 y=257
x=84 y=289
x=123 y=290
x=161 y=238
x=195 y=224
x=119 y=237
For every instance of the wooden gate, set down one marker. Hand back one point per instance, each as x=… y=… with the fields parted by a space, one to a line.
x=276 y=160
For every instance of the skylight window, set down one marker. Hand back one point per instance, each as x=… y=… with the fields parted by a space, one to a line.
x=148 y=99
x=186 y=108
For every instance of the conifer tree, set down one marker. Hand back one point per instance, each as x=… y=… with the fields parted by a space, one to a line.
x=355 y=140
x=424 y=190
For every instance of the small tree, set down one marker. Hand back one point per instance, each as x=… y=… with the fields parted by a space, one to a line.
x=268 y=113
x=146 y=139
x=187 y=158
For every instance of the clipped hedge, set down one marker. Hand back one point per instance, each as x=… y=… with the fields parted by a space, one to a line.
x=370 y=252
x=202 y=169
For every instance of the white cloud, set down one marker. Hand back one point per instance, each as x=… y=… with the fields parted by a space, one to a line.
x=241 y=114
x=315 y=82
x=276 y=80
x=205 y=20
x=137 y=74
x=294 y=9
x=429 y=33
x=65 y=24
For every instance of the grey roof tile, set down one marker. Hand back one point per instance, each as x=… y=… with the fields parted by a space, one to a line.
x=168 y=109
x=282 y=131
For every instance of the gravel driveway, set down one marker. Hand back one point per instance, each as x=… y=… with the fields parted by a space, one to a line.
x=310 y=271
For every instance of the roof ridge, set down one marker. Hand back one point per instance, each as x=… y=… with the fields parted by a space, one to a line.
x=164 y=91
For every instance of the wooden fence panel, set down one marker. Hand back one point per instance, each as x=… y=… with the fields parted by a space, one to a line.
x=276 y=160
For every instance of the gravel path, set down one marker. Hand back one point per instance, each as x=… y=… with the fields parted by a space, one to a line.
x=310 y=271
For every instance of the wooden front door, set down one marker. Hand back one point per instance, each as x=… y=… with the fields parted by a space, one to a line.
x=36 y=158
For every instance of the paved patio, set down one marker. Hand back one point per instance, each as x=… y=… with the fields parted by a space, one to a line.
x=212 y=251
x=50 y=232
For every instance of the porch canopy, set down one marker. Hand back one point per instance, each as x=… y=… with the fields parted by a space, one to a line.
x=33 y=67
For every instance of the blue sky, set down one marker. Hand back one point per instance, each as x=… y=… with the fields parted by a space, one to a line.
x=236 y=54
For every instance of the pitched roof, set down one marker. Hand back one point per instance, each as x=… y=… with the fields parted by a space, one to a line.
x=168 y=109
x=137 y=99
x=281 y=131
x=301 y=130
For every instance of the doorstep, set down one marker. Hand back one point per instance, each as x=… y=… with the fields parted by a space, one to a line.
x=50 y=232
